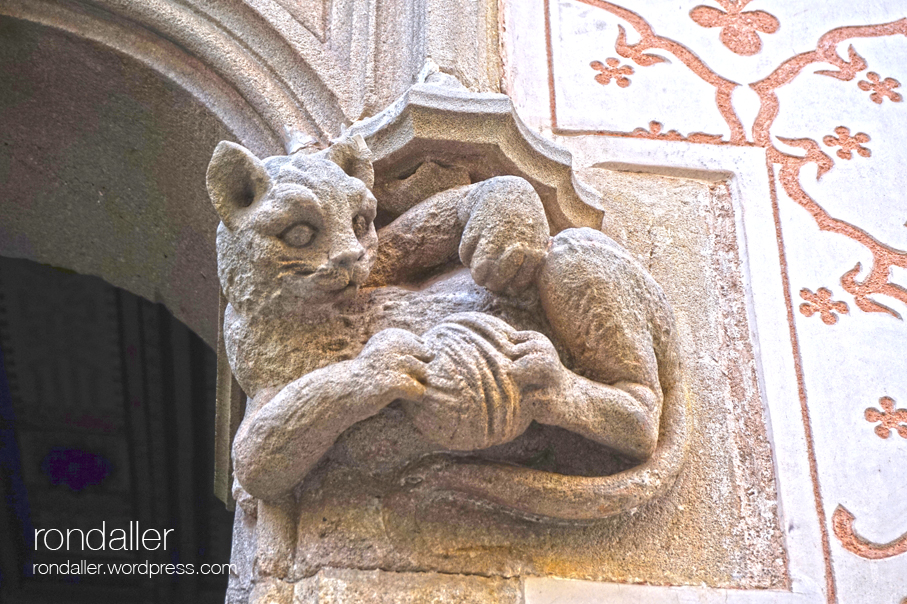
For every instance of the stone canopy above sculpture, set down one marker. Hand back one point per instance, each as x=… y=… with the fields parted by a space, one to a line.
x=460 y=351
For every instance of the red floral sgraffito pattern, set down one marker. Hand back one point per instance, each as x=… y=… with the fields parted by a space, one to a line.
x=610 y=69
x=892 y=420
x=880 y=88
x=739 y=28
x=656 y=131
x=848 y=143
x=821 y=303
x=740 y=33
x=789 y=165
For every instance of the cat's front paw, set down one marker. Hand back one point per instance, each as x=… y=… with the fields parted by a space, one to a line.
x=536 y=363
x=505 y=238
x=393 y=366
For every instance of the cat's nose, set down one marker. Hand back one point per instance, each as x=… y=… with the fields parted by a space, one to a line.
x=347 y=255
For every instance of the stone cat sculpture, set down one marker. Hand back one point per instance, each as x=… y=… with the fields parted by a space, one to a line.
x=329 y=322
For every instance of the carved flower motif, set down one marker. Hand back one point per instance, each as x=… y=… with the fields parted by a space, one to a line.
x=610 y=71
x=848 y=143
x=880 y=88
x=821 y=302
x=739 y=28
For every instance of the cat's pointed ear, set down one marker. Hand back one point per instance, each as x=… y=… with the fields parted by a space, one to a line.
x=236 y=179
x=353 y=156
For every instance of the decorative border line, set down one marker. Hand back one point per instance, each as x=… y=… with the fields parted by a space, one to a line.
x=691 y=138
x=830 y=586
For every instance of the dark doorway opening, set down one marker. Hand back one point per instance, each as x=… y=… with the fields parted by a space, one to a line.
x=106 y=420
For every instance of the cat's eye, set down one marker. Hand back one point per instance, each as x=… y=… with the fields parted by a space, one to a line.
x=360 y=226
x=298 y=235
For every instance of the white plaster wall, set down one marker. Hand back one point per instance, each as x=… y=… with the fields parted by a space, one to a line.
x=821 y=371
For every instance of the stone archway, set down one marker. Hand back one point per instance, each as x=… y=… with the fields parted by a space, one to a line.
x=112 y=109
x=103 y=164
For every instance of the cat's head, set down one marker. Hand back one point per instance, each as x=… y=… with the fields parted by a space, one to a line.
x=297 y=230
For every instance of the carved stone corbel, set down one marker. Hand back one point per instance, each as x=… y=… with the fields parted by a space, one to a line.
x=429 y=308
